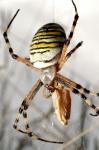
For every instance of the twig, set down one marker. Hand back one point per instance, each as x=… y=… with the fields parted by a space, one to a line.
x=73 y=140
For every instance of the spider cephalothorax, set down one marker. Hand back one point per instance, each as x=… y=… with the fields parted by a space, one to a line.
x=48 y=53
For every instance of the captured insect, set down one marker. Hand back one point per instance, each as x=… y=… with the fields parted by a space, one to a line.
x=48 y=54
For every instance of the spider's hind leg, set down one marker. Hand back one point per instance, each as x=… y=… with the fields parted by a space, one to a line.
x=11 y=51
x=63 y=56
x=73 y=25
x=14 y=56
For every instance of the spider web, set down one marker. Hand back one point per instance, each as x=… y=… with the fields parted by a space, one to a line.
x=16 y=79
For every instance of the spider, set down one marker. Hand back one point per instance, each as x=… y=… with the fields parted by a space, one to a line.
x=48 y=54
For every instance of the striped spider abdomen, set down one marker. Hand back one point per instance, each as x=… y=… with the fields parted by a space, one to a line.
x=47 y=45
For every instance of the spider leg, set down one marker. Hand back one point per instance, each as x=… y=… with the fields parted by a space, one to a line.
x=70 y=85
x=23 y=111
x=15 y=56
x=27 y=58
x=24 y=106
x=73 y=25
x=68 y=55
x=63 y=55
x=78 y=86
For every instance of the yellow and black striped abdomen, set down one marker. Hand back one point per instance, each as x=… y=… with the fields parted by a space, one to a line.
x=46 y=45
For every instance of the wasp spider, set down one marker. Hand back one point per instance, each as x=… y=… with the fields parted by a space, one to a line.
x=48 y=53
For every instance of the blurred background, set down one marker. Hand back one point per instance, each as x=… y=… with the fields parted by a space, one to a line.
x=17 y=79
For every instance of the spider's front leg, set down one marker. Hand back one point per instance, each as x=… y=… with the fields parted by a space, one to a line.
x=23 y=111
x=75 y=88
x=24 y=106
x=15 y=56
